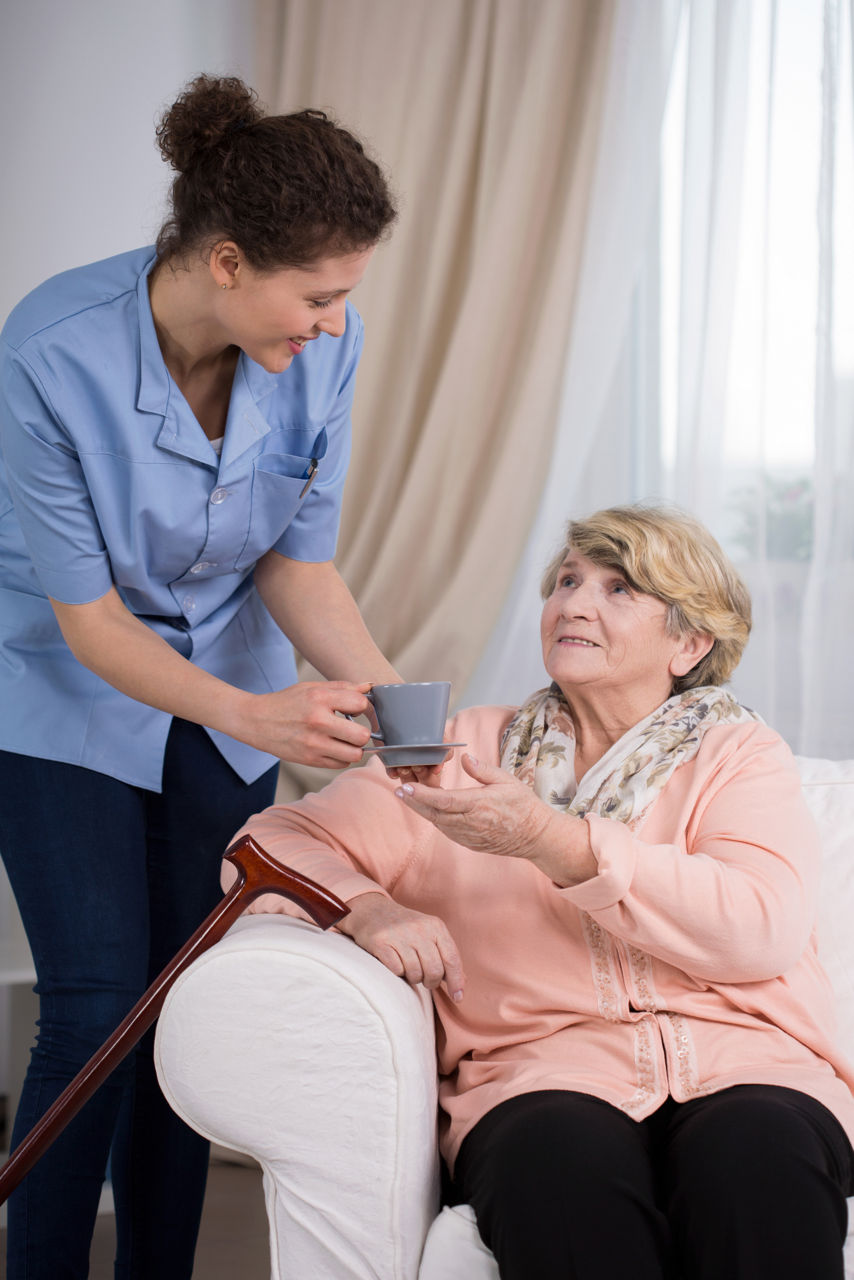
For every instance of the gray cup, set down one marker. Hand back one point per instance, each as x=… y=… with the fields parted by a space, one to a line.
x=411 y=714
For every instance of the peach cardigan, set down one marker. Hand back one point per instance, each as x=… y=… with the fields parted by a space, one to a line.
x=687 y=964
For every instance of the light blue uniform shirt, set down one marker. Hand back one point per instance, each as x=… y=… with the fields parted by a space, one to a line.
x=107 y=478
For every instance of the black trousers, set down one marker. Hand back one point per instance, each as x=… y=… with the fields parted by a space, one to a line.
x=746 y=1184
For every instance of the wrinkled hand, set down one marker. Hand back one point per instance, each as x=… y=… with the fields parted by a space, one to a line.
x=412 y=945
x=502 y=817
x=302 y=723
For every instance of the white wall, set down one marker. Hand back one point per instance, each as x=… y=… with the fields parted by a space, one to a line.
x=81 y=85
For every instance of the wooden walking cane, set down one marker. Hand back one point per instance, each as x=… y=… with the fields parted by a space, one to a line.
x=257 y=873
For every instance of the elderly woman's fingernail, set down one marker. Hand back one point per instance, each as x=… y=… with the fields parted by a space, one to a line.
x=458 y=995
x=405 y=790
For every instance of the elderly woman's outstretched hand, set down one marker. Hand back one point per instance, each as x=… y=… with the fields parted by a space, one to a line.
x=505 y=818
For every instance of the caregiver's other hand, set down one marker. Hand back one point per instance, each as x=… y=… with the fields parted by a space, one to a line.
x=412 y=945
x=505 y=818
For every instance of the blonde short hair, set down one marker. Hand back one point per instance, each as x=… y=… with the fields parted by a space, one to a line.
x=666 y=553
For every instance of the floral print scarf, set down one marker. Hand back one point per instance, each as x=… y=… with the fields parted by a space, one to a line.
x=538 y=746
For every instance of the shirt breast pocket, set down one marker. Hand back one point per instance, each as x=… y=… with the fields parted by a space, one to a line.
x=280 y=484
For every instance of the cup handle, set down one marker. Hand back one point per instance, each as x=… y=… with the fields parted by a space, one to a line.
x=370 y=696
x=379 y=737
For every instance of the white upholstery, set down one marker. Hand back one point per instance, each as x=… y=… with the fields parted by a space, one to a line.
x=300 y=1049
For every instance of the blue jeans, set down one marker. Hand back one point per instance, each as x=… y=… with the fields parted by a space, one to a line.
x=111 y=880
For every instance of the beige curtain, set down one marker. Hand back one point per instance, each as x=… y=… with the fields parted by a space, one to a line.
x=486 y=114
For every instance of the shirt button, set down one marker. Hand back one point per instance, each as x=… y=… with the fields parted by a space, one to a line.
x=218 y=496
x=189 y=604
x=203 y=564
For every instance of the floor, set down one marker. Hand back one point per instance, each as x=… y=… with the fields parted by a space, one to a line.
x=233 y=1237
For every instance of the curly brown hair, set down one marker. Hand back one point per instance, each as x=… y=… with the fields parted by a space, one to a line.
x=288 y=189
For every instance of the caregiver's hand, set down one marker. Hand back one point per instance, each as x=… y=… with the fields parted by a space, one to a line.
x=301 y=723
x=412 y=945
x=298 y=723
x=503 y=817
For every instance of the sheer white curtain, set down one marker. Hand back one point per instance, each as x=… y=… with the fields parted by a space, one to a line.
x=827 y=684
x=711 y=361
x=758 y=354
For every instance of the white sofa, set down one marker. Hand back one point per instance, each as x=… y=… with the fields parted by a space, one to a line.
x=298 y=1048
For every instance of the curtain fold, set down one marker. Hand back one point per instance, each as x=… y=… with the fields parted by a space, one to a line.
x=601 y=416
x=712 y=181
x=487 y=115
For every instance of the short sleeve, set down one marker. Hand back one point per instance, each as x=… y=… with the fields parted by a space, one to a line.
x=48 y=489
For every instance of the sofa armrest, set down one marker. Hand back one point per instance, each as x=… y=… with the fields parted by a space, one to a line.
x=300 y=1049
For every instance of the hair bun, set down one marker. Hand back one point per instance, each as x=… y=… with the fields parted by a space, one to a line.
x=210 y=109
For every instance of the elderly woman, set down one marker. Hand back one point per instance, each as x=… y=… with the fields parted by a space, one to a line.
x=612 y=898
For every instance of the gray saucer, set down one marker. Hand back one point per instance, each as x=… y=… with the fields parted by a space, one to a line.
x=412 y=753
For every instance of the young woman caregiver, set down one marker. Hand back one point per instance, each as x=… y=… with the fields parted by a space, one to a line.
x=175 y=429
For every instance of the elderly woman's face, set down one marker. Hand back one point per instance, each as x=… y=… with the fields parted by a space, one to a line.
x=600 y=634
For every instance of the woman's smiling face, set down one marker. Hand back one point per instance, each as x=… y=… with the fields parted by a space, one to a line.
x=601 y=635
x=272 y=315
